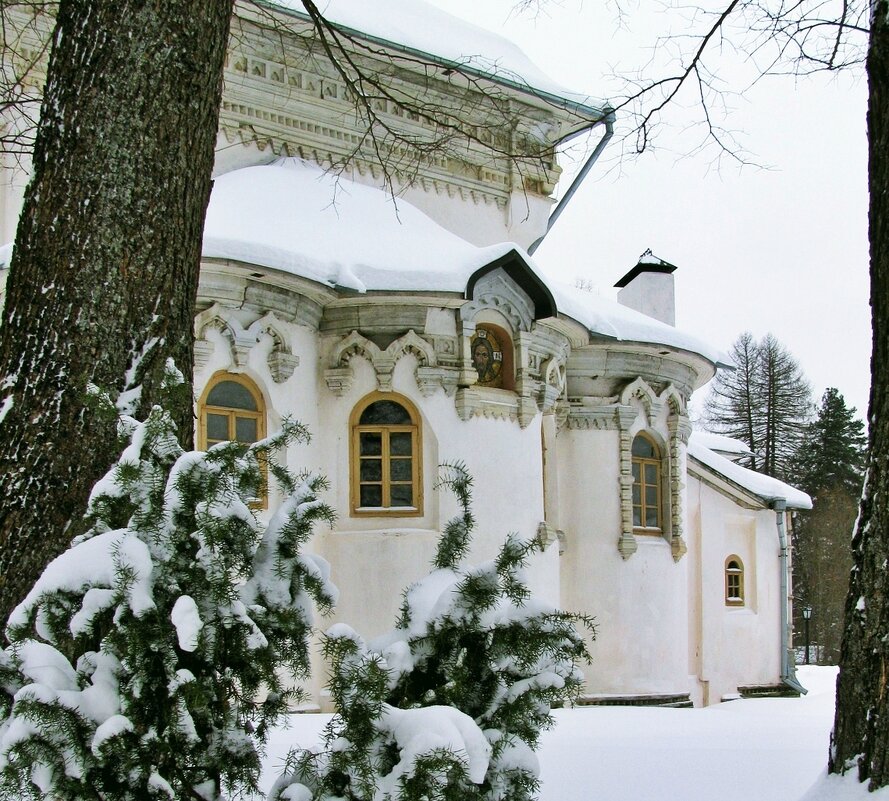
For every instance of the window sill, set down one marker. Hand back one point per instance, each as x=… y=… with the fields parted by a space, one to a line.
x=387 y=511
x=648 y=532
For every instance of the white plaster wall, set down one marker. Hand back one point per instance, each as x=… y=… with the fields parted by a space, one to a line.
x=732 y=646
x=374 y=558
x=479 y=221
x=639 y=604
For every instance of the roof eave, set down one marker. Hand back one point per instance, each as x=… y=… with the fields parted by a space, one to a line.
x=591 y=114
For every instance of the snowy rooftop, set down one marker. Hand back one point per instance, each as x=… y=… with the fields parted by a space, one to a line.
x=422 y=29
x=292 y=216
x=765 y=487
x=722 y=444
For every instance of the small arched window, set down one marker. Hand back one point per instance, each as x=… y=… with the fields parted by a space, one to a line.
x=734 y=581
x=231 y=409
x=646 y=459
x=492 y=356
x=385 y=457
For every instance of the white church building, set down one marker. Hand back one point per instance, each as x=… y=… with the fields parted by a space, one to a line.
x=417 y=331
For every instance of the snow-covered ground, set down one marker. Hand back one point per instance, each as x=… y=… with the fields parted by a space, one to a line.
x=771 y=749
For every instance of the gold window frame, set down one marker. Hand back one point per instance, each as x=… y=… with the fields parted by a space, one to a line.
x=232 y=413
x=416 y=482
x=734 y=581
x=643 y=506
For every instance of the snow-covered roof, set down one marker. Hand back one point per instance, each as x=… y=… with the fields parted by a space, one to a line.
x=424 y=30
x=294 y=217
x=722 y=444
x=765 y=487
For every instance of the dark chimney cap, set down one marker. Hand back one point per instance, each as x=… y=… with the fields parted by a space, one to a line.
x=648 y=263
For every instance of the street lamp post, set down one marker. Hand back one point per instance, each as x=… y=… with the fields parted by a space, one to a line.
x=807 y=616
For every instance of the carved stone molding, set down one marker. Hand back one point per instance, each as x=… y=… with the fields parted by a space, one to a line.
x=498 y=292
x=282 y=362
x=640 y=390
x=680 y=429
x=431 y=378
x=626 y=544
x=546 y=535
x=429 y=374
x=605 y=417
x=496 y=404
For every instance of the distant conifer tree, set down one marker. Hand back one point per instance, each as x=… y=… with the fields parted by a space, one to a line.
x=765 y=402
x=830 y=467
x=833 y=450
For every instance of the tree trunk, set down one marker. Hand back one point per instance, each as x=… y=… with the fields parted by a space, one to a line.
x=862 y=717
x=103 y=279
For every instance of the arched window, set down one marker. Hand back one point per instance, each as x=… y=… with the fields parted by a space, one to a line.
x=385 y=457
x=231 y=409
x=492 y=356
x=734 y=581
x=646 y=459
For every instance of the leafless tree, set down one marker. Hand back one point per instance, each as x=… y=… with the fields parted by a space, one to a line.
x=102 y=284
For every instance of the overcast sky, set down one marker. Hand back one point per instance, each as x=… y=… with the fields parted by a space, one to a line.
x=782 y=249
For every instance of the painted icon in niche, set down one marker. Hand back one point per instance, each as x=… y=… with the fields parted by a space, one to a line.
x=487 y=358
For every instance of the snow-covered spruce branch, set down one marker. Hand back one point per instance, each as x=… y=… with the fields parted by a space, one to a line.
x=148 y=659
x=451 y=703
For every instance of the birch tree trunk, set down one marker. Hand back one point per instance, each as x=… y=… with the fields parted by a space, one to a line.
x=103 y=280
x=861 y=728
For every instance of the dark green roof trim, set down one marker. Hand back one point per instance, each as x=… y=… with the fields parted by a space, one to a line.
x=521 y=273
x=645 y=267
x=594 y=113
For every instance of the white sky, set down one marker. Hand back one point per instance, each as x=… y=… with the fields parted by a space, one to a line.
x=781 y=249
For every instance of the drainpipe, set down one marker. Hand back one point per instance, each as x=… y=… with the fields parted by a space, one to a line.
x=788 y=668
x=578 y=180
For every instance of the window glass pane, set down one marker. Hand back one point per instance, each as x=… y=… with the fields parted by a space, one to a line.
x=233 y=395
x=245 y=429
x=637 y=472
x=651 y=518
x=637 y=515
x=650 y=474
x=371 y=443
x=644 y=448
x=637 y=495
x=402 y=495
x=401 y=470
x=217 y=426
x=371 y=470
x=651 y=496
x=400 y=443
x=371 y=495
x=385 y=413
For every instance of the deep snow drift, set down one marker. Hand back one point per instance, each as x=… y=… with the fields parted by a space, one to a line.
x=772 y=749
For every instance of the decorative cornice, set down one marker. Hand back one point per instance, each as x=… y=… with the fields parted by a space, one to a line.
x=610 y=417
x=496 y=404
x=429 y=374
x=281 y=361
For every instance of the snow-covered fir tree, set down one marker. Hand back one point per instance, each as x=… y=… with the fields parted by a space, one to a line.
x=451 y=703
x=147 y=661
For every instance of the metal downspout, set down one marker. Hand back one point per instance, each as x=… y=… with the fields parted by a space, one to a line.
x=788 y=668
x=578 y=180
